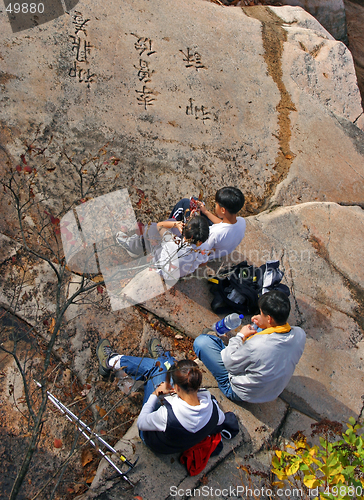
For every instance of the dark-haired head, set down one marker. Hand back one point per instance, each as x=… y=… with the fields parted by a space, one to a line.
x=196 y=230
x=186 y=374
x=275 y=304
x=230 y=198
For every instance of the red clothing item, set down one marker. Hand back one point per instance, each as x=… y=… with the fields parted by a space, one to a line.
x=196 y=457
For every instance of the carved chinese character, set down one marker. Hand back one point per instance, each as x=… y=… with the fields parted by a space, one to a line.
x=80 y=23
x=145 y=97
x=82 y=74
x=189 y=108
x=200 y=113
x=144 y=73
x=81 y=47
x=193 y=59
x=143 y=44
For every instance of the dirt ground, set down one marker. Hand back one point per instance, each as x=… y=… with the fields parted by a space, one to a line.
x=59 y=439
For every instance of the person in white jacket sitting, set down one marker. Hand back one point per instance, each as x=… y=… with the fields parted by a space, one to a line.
x=256 y=366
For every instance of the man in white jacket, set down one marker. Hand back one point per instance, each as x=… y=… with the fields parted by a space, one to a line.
x=256 y=366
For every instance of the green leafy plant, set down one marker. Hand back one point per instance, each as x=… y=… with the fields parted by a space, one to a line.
x=332 y=470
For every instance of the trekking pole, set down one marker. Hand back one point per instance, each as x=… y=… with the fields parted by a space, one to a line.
x=83 y=429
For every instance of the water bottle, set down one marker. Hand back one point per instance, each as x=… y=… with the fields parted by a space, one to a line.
x=228 y=323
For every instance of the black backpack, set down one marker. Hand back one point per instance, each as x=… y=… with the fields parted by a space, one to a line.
x=239 y=288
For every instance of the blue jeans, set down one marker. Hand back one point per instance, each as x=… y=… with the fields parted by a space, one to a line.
x=208 y=348
x=151 y=371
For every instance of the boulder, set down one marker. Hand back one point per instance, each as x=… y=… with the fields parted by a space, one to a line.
x=188 y=96
x=329 y=13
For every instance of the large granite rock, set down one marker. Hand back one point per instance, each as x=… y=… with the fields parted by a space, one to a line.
x=354 y=11
x=191 y=95
x=329 y=13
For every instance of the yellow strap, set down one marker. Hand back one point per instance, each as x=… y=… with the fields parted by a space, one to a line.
x=273 y=329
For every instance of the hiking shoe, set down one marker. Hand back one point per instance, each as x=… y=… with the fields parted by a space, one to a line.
x=122 y=240
x=155 y=349
x=103 y=352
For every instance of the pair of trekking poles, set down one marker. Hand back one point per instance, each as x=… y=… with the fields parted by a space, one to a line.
x=93 y=438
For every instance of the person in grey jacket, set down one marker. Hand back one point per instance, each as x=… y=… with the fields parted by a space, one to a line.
x=259 y=361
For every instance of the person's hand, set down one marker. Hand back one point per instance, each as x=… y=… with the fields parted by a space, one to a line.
x=201 y=207
x=247 y=331
x=257 y=320
x=163 y=388
x=179 y=225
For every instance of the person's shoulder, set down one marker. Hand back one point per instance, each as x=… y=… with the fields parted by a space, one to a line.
x=240 y=222
x=299 y=336
x=298 y=330
x=205 y=395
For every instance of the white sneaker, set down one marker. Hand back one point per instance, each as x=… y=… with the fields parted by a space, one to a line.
x=121 y=237
x=122 y=240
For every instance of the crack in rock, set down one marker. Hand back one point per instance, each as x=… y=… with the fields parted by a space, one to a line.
x=356 y=291
x=274 y=36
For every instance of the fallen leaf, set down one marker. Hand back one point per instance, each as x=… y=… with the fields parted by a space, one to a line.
x=98 y=278
x=86 y=457
x=54 y=220
x=57 y=443
x=101 y=411
x=204 y=480
x=91 y=478
x=114 y=160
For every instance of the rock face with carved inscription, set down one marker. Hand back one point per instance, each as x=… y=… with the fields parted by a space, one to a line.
x=193 y=95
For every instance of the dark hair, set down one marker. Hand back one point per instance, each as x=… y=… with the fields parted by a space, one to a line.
x=196 y=229
x=230 y=198
x=275 y=304
x=186 y=374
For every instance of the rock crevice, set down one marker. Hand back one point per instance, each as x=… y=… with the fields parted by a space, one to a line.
x=274 y=36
